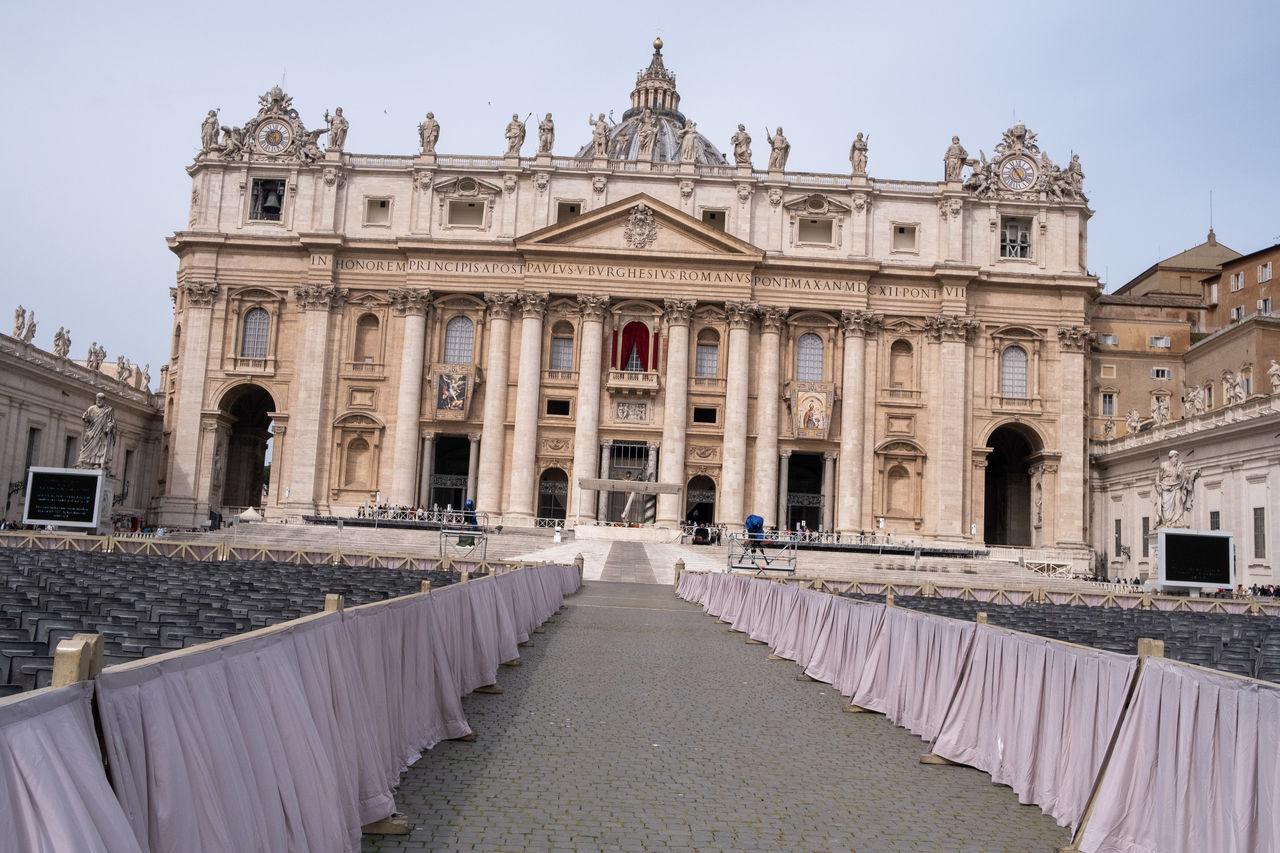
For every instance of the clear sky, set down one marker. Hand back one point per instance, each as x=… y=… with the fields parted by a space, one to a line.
x=1164 y=102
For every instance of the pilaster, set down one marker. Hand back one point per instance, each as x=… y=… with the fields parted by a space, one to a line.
x=767 y=396
x=411 y=306
x=734 y=468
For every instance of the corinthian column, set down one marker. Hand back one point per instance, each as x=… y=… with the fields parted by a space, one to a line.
x=953 y=332
x=412 y=305
x=315 y=300
x=493 y=441
x=856 y=326
x=586 y=431
x=675 y=410
x=766 y=465
x=524 y=442
x=734 y=469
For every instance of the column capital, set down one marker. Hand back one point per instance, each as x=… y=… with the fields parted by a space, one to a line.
x=739 y=314
x=771 y=317
x=429 y=434
x=500 y=304
x=784 y=454
x=320 y=297
x=606 y=442
x=473 y=437
x=200 y=294
x=860 y=323
x=1075 y=338
x=532 y=304
x=654 y=445
x=679 y=310
x=592 y=306
x=829 y=455
x=951 y=327
x=410 y=300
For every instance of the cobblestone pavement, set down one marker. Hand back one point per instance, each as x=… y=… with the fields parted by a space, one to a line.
x=638 y=723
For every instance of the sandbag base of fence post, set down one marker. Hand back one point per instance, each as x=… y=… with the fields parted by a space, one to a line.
x=804 y=676
x=751 y=641
x=856 y=709
x=395 y=824
x=513 y=662
x=539 y=630
x=931 y=758
x=471 y=738
x=489 y=689
x=526 y=644
x=772 y=656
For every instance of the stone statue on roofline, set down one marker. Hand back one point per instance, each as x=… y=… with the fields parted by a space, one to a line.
x=1132 y=422
x=19 y=321
x=514 y=135
x=61 y=342
x=429 y=134
x=546 y=135
x=858 y=155
x=1273 y=373
x=599 y=136
x=779 y=150
x=209 y=132
x=689 y=142
x=741 y=142
x=337 y=129
x=953 y=161
x=29 y=333
x=647 y=133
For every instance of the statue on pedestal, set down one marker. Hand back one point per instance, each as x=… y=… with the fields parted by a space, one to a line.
x=1273 y=373
x=1132 y=422
x=61 y=343
x=29 y=333
x=96 y=356
x=515 y=136
x=546 y=135
x=741 y=142
x=1174 y=484
x=1109 y=429
x=954 y=160
x=20 y=321
x=688 y=142
x=209 y=132
x=780 y=150
x=99 y=435
x=429 y=133
x=337 y=129
x=647 y=134
x=599 y=136
x=858 y=155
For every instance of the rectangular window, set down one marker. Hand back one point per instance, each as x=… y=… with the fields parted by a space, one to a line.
x=1108 y=403
x=33 y=446
x=70 y=451
x=1109 y=340
x=818 y=231
x=266 y=199
x=715 y=219
x=1264 y=305
x=1264 y=272
x=1237 y=281
x=562 y=353
x=567 y=210
x=558 y=408
x=1119 y=552
x=1213 y=293
x=1160 y=341
x=1208 y=396
x=1237 y=313
x=377 y=211
x=1215 y=519
x=904 y=238
x=1259 y=533
x=1146 y=531
x=466 y=214
x=703 y=415
x=706 y=361
x=1015 y=238
x=1160 y=373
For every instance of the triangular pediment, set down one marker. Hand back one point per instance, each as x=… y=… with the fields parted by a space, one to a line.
x=639 y=226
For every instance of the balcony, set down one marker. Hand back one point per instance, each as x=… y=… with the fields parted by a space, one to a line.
x=367 y=369
x=252 y=366
x=633 y=383
x=706 y=384
x=1001 y=403
x=901 y=396
x=560 y=377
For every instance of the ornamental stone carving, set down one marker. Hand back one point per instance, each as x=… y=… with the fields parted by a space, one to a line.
x=1075 y=338
x=200 y=294
x=598 y=184
x=861 y=202
x=744 y=193
x=686 y=189
x=949 y=327
x=632 y=412
x=641 y=229
x=500 y=304
x=96 y=356
x=950 y=207
x=771 y=317
x=704 y=452
x=739 y=314
x=542 y=180
x=593 y=307
x=61 y=342
x=406 y=300
x=320 y=297
x=860 y=323
x=533 y=304
x=509 y=184
x=555 y=444
x=679 y=310
x=775 y=197
x=423 y=180
x=333 y=175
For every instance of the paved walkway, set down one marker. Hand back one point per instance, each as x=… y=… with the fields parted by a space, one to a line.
x=638 y=723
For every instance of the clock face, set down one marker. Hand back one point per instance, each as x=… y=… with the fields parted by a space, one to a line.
x=1018 y=173
x=273 y=137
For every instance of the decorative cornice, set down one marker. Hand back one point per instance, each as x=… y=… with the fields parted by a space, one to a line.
x=949 y=327
x=320 y=297
x=860 y=323
x=679 y=310
x=406 y=300
x=593 y=307
x=500 y=304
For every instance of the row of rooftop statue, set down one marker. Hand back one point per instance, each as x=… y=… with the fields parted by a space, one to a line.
x=983 y=179
x=24 y=329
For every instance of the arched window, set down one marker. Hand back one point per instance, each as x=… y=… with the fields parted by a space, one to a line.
x=367 y=328
x=635 y=346
x=253 y=341
x=900 y=372
x=458 y=338
x=562 y=346
x=356 y=471
x=1013 y=372
x=707 y=360
x=809 y=358
x=898 y=493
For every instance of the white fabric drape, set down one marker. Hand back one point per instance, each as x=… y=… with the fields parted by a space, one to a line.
x=912 y=669
x=54 y=795
x=845 y=644
x=801 y=630
x=1037 y=715
x=1196 y=767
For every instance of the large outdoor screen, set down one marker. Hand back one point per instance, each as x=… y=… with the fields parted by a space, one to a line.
x=1197 y=558
x=66 y=497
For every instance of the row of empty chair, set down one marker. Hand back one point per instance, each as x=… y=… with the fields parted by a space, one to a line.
x=146 y=605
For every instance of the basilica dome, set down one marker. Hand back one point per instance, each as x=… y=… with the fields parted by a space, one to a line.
x=655 y=91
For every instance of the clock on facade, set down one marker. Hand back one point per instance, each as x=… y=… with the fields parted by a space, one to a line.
x=1018 y=173
x=273 y=137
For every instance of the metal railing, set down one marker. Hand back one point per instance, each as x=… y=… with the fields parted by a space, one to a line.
x=761 y=554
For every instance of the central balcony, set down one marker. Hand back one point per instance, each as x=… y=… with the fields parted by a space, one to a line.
x=636 y=383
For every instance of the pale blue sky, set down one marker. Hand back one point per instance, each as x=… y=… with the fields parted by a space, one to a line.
x=1164 y=102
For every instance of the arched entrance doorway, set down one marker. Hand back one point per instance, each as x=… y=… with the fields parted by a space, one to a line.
x=700 y=500
x=553 y=494
x=1007 y=508
x=245 y=473
x=804 y=492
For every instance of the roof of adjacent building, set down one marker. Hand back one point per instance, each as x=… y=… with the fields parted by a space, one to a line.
x=1204 y=258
